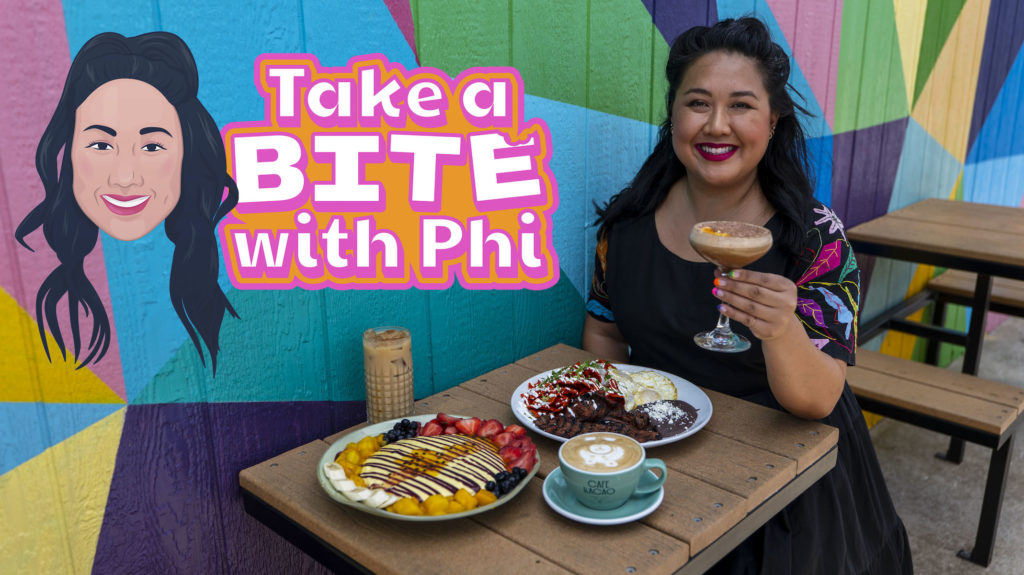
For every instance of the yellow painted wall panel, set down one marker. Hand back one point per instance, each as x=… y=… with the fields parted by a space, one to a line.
x=26 y=374
x=909 y=28
x=944 y=108
x=54 y=503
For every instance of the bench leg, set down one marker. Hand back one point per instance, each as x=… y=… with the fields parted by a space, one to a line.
x=955 y=452
x=931 y=356
x=985 y=541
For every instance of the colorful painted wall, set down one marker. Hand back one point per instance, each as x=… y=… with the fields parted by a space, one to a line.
x=130 y=465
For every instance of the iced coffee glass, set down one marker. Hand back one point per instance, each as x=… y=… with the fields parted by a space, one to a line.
x=387 y=364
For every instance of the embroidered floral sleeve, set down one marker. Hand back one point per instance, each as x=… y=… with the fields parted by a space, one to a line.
x=598 y=304
x=828 y=290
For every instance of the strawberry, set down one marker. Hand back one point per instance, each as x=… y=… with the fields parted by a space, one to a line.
x=430 y=428
x=490 y=428
x=450 y=430
x=516 y=430
x=526 y=462
x=510 y=453
x=503 y=439
x=446 y=420
x=468 y=426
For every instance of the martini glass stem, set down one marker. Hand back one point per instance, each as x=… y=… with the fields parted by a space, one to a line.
x=723 y=333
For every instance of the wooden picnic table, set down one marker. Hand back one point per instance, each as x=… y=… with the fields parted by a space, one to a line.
x=724 y=482
x=988 y=241
x=985 y=239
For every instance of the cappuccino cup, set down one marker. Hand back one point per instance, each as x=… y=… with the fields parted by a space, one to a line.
x=603 y=470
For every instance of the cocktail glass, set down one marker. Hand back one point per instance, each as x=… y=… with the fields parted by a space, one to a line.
x=729 y=245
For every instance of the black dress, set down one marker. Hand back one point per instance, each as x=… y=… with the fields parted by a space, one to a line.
x=845 y=523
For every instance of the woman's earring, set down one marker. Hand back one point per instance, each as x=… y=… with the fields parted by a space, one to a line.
x=772 y=133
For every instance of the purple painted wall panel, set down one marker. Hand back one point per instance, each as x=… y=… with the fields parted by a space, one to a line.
x=864 y=164
x=673 y=17
x=174 y=497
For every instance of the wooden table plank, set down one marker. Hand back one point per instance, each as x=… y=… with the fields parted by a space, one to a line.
x=555 y=356
x=578 y=547
x=500 y=383
x=980 y=414
x=964 y=215
x=1007 y=395
x=288 y=483
x=982 y=244
x=749 y=472
x=770 y=429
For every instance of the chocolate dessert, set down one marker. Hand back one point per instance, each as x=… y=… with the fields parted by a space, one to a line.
x=668 y=416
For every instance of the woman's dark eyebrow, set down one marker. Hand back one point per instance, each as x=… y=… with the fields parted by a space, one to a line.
x=151 y=129
x=110 y=131
x=733 y=95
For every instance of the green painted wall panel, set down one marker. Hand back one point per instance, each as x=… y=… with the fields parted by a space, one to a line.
x=478 y=36
x=619 y=62
x=938 y=22
x=870 y=89
x=549 y=46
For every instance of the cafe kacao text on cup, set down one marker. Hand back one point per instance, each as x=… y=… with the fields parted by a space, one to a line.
x=369 y=176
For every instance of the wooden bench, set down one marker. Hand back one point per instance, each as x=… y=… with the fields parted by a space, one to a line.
x=957 y=286
x=963 y=406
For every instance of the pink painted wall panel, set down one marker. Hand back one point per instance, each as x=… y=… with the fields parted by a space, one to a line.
x=36 y=53
x=812 y=29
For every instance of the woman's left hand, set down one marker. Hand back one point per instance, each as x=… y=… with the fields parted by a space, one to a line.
x=765 y=303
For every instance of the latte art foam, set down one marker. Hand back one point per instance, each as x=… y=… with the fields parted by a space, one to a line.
x=601 y=452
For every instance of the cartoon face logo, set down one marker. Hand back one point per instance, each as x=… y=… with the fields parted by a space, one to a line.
x=129 y=146
x=126 y=153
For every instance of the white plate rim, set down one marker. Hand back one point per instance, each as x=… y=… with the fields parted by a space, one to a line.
x=694 y=395
x=383 y=427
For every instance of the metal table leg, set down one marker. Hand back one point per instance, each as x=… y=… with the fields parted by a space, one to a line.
x=985 y=541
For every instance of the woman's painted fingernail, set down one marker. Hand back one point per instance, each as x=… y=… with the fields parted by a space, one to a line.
x=719 y=281
x=734 y=274
x=721 y=308
x=714 y=292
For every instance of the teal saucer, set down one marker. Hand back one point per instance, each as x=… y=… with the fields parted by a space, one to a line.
x=557 y=494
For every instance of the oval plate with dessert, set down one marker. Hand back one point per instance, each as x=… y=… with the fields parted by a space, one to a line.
x=652 y=406
x=427 y=453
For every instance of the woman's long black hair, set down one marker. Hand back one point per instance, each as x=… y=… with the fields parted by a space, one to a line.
x=162 y=60
x=782 y=173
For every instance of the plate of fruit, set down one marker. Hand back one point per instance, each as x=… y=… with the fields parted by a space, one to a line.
x=652 y=406
x=429 y=467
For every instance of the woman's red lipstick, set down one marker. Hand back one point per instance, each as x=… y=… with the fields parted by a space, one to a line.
x=716 y=152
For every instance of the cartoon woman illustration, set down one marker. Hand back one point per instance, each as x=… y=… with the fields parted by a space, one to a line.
x=134 y=147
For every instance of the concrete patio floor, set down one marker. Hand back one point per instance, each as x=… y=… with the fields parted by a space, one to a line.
x=940 y=502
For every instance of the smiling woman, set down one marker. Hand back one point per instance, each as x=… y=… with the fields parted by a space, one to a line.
x=731 y=151
x=130 y=146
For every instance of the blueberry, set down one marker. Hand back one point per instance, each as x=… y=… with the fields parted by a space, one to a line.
x=490 y=486
x=405 y=423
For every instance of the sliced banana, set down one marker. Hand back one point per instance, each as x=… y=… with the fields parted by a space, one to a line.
x=380 y=498
x=334 y=471
x=344 y=485
x=358 y=494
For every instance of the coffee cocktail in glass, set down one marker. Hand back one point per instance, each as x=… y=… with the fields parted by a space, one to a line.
x=729 y=245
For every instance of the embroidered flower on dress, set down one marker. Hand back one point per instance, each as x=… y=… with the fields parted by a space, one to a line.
x=831 y=217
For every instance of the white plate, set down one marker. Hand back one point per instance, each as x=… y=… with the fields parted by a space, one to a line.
x=685 y=391
x=383 y=427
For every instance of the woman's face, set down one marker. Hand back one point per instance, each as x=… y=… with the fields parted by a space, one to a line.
x=721 y=119
x=126 y=155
